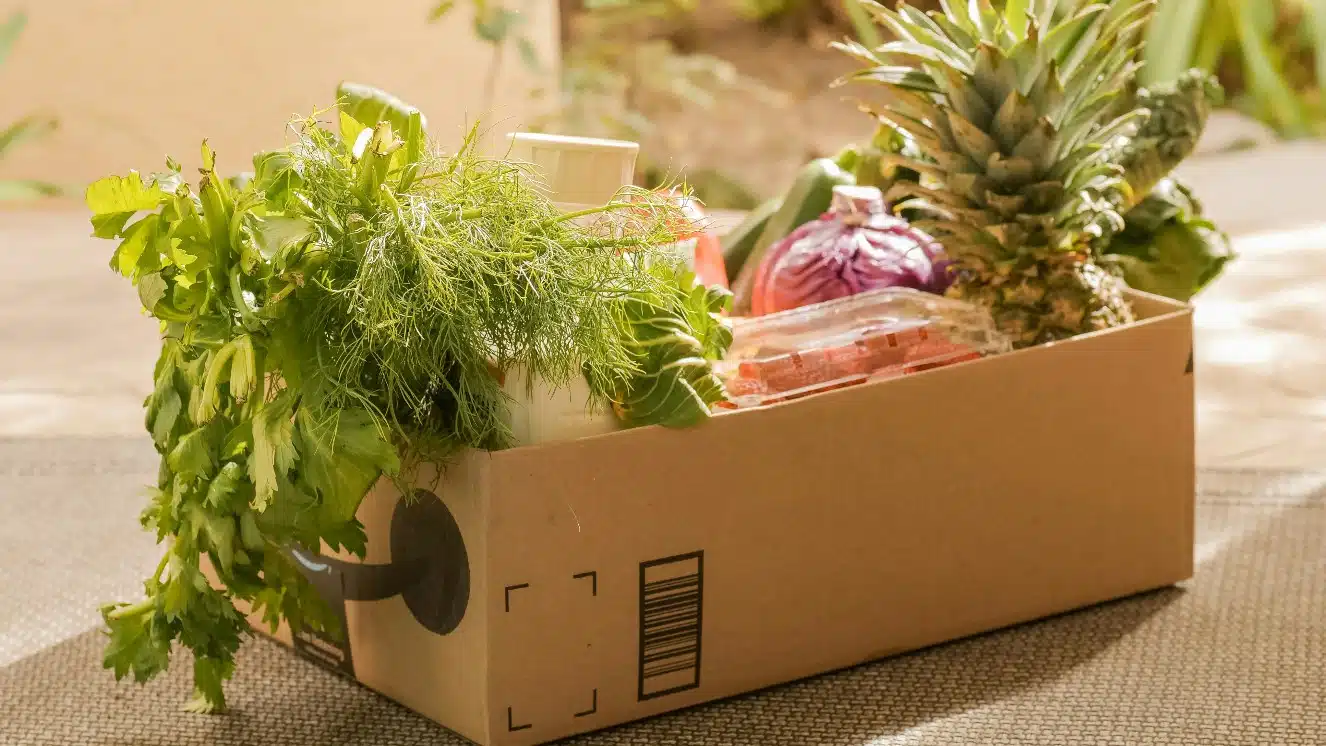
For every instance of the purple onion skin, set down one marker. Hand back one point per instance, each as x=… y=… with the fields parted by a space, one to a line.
x=840 y=255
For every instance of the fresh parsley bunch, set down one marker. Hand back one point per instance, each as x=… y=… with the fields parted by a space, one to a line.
x=355 y=301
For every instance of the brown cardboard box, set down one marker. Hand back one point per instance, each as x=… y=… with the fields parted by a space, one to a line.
x=540 y=592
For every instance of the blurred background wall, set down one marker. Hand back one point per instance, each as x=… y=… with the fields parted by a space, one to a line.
x=733 y=94
x=131 y=81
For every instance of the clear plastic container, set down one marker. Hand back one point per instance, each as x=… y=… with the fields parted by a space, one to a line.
x=576 y=173
x=844 y=342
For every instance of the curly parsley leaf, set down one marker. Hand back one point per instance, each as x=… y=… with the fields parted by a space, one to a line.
x=274 y=453
x=115 y=199
x=348 y=462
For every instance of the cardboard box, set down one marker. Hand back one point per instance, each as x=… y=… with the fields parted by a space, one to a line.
x=541 y=592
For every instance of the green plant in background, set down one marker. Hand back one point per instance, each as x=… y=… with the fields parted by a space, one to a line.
x=497 y=24
x=801 y=15
x=25 y=129
x=616 y=54
x=1270 y=53
x=1266 y=53
x=766 y=10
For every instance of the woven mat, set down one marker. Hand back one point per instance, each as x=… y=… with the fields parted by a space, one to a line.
x=1237 y=656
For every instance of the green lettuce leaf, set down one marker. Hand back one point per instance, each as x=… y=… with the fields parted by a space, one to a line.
x=1167 y=247
x=192 y=456
x=676 y=340
x=367 y=106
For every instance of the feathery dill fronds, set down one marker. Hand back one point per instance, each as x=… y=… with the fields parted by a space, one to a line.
x=455 y=271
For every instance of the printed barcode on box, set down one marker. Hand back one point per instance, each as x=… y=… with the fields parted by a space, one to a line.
x=332 y=652
x=321 y=649
x=671 y=602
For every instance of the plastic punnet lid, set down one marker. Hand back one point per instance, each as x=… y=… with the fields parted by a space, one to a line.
x=579 y=170
x=851 y=340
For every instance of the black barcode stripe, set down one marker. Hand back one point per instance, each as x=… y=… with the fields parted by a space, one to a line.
x=679 y=582
x=679 y=640
x=678 y=667
x=676 y=648
x=685 y=632
x=659 y=613
x=671 y=604
x=689 y=587
x=658 y=603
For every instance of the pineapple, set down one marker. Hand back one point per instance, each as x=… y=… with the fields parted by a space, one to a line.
x=1017 y=118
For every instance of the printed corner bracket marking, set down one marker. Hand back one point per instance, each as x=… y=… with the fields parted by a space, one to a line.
x=511 y=723
x=593 y=577
x=593 y=707
x=507 y=592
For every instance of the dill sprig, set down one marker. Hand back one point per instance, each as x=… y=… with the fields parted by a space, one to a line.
x=456 y=270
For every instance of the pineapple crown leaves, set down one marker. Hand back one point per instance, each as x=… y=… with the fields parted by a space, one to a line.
x=1015 y=112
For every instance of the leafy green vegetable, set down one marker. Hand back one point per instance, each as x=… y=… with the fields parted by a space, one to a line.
x=676 y=337
x=193 y=259
x=354 y=303
x=368 y=106
x=115 y=199
x=1167 y=247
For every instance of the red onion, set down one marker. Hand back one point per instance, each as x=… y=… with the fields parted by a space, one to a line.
x=855 y=246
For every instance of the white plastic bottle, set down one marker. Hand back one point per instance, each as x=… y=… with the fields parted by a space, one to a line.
x=577 y=173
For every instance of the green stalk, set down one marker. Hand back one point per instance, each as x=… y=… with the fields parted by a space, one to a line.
x=282 y=293
x=471 y=214
x=217 y=211
x=610 y=243
x=161 y=567
x=134 y=610
x=585 y=213
x=251 y=322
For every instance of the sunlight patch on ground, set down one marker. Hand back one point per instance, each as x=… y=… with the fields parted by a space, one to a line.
x=28 y=414
x=1304 y=488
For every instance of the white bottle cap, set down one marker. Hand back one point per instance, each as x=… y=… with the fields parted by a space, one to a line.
x=577 y=170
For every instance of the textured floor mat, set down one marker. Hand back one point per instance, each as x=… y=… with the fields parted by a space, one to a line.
x=1233 y=658
x=69 y=535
